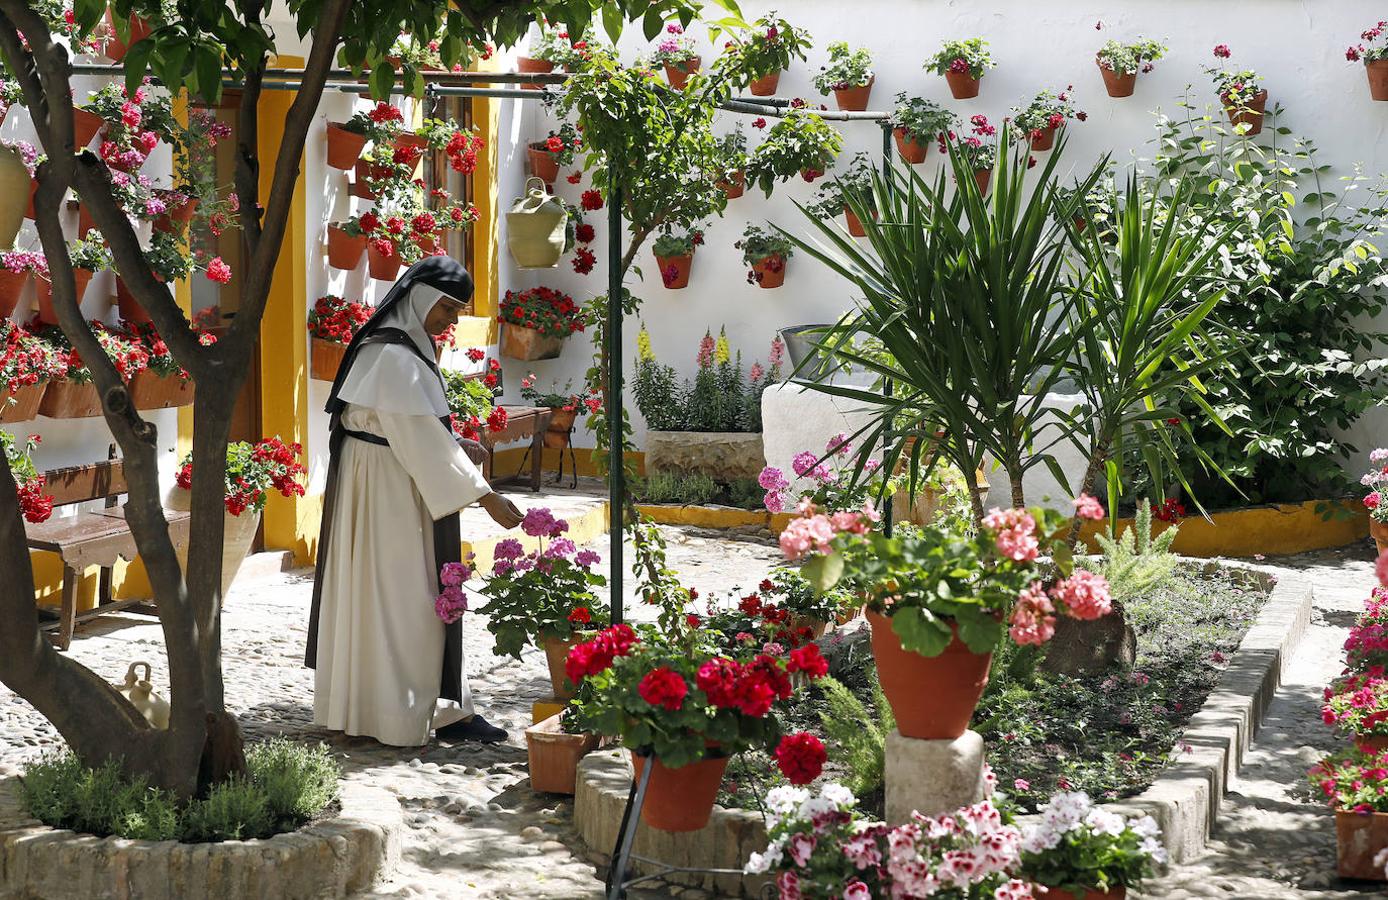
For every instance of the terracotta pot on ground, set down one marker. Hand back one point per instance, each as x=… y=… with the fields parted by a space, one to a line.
x=324 y=358
x=150 y=390
x=1116 y=83
x=530 y=64
x=381 y=266
x=680 y=799
x=1377 y=70
x=1371 y=743
x=681 y=266
x=556 y=651
x=911 y=150
x=43 y=294
x=735 y=186
x=956 y=678
x=519 y=342
x=130 y=309
x=344 y=147
x=771 y=271
x=561 y=423
x=962 y=85
x=1114 y=893
x=85 y=125
x=855 y=225
x=344 y=250
x=1379 y=532
x=11 y=286
x=70 y=400
x=854 y=99
x=678 y=74
x=543 y=165
x=982 y=177
x=766 y=85
x=23 y=405
x=1252 y=116
x=554 y=756
x=237 y=536
x=1044 y=140
x=1360 y=837
x=176 y=218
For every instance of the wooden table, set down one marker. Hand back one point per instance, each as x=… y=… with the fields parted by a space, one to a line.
x=522 y=422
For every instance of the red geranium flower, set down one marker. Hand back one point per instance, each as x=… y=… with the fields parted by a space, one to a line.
x=801 y=757
x=591 y=200
x=663 y=687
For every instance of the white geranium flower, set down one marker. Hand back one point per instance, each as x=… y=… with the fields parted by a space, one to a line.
x=761 y=863
x=838 y=795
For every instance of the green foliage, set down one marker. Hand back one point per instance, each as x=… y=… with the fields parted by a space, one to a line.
x=757 y=244
x=1128 y=59
x=851 y=188
x=299 y=781
x=719 y=399
x=674 y=487
x=1136 y=562
x=920 y=118
x=801 y=144
x=762 y=48
x=235 y=810
x=857 y=739
x=846 y=68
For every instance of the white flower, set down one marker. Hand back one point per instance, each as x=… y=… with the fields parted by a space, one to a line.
x=1154 y=849
x=761 y=863
x=1146 y=827
x=1105 y=822
x=814 y=807
x=838 y=795
x=784 y=800
x=1379 y=455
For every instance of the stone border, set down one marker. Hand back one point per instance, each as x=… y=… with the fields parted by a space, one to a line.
x=1185 y=799
x=333 y=858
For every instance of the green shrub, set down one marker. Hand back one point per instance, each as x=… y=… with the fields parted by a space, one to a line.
x=1138 y=562
x=856 y=738
x=61 y=792
x=235 y=810
x=298 y=781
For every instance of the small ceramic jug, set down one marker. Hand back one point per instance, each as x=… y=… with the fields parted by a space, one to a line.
x=142 y=696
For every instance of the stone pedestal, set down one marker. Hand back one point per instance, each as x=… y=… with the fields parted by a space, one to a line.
x=932 y=777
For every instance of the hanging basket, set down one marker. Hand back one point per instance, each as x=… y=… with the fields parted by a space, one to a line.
x=344 y=147
x=70 y=400
x=1377 y=71
x=85 y=125
x=150 y=390
x=535 y=228
x=1117 y=84
x=735 y=185
x=674 y=271
x=130 y=309
x=854 y=99
x=115 y=47
x=22 y=405
x=519 y=342
x=1044 y=139
x=43 y=294
x=12 y=285
x=962 y=85
x=533 y=66
x=324 y=358
x=766 y=85
x=543 y=165
x=678 y=73
x=381 y=266
x=175 y=219
x=911 y=150
x=770 y=271
x=344 y=250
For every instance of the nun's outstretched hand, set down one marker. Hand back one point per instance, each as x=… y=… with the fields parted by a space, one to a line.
x=502 y=510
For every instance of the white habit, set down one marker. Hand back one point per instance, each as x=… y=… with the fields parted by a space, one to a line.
x=380 y=644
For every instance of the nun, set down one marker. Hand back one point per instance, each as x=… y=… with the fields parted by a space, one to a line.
x=385 y=665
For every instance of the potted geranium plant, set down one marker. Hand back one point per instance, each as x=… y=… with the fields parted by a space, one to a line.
x=785 y=609
x=1242 y=93
x=163 y=383
x=72 y=393
x=89 y=255
x=544 y=54
x=26 y=366
x=556 y=150
x=916 y=124
x=1367 y=644
x=963 y=63
x=765 y=254
x=800 y=144
x=332 y=323
x=768 y=48
x=848 y=75
x=564 y=406
x=1120 y=63
x=1039 y=121
x=939 y=603
x=1353 y=783
x=16 y=268
x=1087 y=852
x=979 y=149
x=472 y=400
x=674 y=255
x=1374 y=54
x=677 y=54
x=1357 y=705
x=536 y=322
x=379 y=125
x=1376 y=479
x=733 y=155
x=34 y=505
x=838 y=194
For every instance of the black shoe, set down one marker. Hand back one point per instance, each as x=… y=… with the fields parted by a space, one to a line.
x=473 y=729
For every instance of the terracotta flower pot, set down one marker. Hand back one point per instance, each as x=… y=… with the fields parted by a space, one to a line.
x=556 y=651
x=855 y=225
x=1044 y=139
x=410 y=139
x=561 y=423
x=680 y=265
x=982 y=177
x=1379 y=532
x=530 y=64
x=735 y=186
x=150 y=390
x=1117 y=892
x=957 y=678
x=770 y=271
x=1360 y=837
x=678 y=75
x=238 y=533
x=360 y=173
x=344 y=250
x=116 y=48
x=43 y=294
x=130 y=309
x=381 y=266
x=85 y=125
x=911 y=150
x=1377 y=70
x=543 y=164
x=519 y=342
x=854 y=99
x=1371 y=743
x=23 y=405
x=817 y=626
x=324 y=358
x=554 y=756
x=680 y=799
x=766 y=85
x=176 y=218
x=69 y=400
x=344 y=147
x=1116 y=83
x=1252 y=116
x=962 y=85
x=11 y=286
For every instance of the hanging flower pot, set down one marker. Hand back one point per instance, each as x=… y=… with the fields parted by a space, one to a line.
x=1043 y=138
x=982 y=177
x=178 y=213
x=116 y=48
x=1379 y=532
x=410 y=139
x=680 y=799
x=150 y=390
x=911 y=150
x=533 y=66
x=735 y=185
x=535 y=228
x=29 y=212
x=674 y=270
x=43 y=294
x=519 y=342
x=962 y=85
x=85 y=125
x=12 y=284
x=770 y=271
x=22 y=405
x=85 y=222
x=554 y=755
x=678 y=73
x=855 y=98
x=766 y=85
x=1360 y=837
x=131 y=312
x=363 y=171
x=325 y=357
x=1377 y=70
x=344 y=250
x=382 y=266
x=556 y=651
x=70 y=400
x=344 y=147
x=957 y=678
x=855 y=225
x=1251 y=115
x=561 y=423
x=1118 y=84
x=543 y=165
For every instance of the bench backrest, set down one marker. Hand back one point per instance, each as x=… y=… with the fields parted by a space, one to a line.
x=94 y=481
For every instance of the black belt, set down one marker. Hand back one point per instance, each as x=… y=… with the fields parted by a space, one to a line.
x=369 y=438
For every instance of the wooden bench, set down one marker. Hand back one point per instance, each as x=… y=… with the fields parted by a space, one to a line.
x=91 y=538
x=522 y=422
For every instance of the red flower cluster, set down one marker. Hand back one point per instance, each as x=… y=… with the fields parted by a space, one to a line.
x=592 y=657
x=337 y=320
x=776 y=618
x=750 y=688
x=384 y=112
x=808 y=659
x=462 y=150
x=497 y=420
x=591 y=200
x=585 y=233
x=551 y=312
x=801 y=757
x=1171 y=510
x=584 y=260
x=254 y=469
x=34 y=504
x=663 y=686
x=580 y=616
x=25 y=360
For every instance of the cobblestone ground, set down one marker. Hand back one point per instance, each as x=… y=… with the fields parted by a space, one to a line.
x=476 y=830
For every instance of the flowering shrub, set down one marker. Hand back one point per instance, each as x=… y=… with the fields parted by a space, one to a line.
x=1353 y=780
x=34 y=504
x=675 y=49
x=128 y=356
x=830 y=476
x=562 y=145
x=800 y=144
x=969 y=56
x=551 y=312
x=18 y=261
x=920 y=118
x=781 y=611
x=769 y=47
x=252 y=470
x=337 y=320
x=1357 y=703
x=1047 y=110
x=134 y=124
x=26 y=359
x=1078 y=846
x=459 y=144
x=1375 y=46
x=1128 y=59
x=846 y=69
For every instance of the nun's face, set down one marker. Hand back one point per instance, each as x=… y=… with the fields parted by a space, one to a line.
x=443 y=313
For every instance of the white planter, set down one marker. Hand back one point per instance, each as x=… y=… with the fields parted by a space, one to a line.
x=237 y=536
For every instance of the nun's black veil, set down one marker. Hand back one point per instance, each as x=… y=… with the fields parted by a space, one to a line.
x=447 y=275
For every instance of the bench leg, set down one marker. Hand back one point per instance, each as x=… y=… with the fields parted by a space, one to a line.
x=103 y=586
x=537 y=451
x=67 y=622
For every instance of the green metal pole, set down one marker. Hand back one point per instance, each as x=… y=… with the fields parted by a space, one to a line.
x=887 y=388
x=616 y=471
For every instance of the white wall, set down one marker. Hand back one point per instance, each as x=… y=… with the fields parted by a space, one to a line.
x=1298 y=47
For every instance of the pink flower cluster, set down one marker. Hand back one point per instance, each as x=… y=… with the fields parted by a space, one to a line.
x=1015 y=533
x=813 y=532
x=452 y=602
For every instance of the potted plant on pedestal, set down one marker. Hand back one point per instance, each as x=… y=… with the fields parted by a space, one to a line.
x=674 y=256
x=963 y=63
x=332 y=323
x=839 y=195
x=535 y=323
x=848 y=75
x=1353 y=783
x=1244 y=98
x=1374 y=54
x=800 y=144
x=557 y=150
x=765 y=254
x=1376 y=479
x=26 y=366
x=564 y=408
x=1085 y=851
x=1039 y=121
x=916 y=124
x=1120 y=63
x=733 y=156
x=34 y=505
x=677 y=54
x=757 y=59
